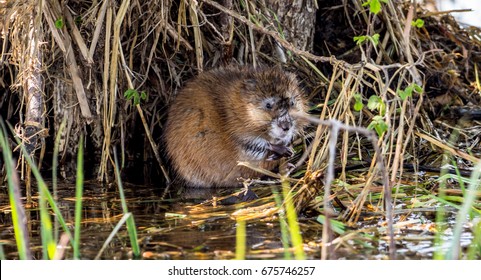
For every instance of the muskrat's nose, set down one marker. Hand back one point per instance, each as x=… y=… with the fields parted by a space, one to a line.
x=285 y=122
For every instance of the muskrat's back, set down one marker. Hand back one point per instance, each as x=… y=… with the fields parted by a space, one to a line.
x=229 y=115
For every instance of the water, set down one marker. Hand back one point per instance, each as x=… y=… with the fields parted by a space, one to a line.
x=181 y=227
x=471 y=18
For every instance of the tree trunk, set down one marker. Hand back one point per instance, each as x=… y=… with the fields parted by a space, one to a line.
x=33 y=83
x=298 y=20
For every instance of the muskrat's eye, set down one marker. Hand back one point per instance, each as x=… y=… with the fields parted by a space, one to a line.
x=269 y=103
x=292 y=102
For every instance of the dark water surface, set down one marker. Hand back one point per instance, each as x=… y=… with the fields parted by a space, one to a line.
x=181 y=227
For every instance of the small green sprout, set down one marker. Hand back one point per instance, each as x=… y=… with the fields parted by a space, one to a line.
x=358 y=102
x=408 y=91
x=361 y=39
x=59 y=23
x=134 y=94
x=418 y=23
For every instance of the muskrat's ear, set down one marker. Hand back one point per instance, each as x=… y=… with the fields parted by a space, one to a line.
x=250 y=84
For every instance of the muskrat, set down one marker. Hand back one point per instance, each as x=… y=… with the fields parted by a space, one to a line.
x=228 y=115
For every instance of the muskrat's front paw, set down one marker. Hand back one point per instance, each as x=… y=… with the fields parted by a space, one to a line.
x=279 y=151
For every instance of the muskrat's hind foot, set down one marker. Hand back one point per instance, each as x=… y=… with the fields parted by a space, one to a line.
x=248 y=195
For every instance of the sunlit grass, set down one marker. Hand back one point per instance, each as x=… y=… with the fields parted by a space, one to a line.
x=240 y=248
x=18 y=212
x=464 y=205
x=283 y=226
x=48 y=243
x=47 y=203
x=293 y=224
x=465 y=209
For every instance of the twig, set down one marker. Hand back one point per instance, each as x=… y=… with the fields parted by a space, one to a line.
x=77 y=36
x=448 y=148
x=407 y=45
x=326 y=230
x=98 y=29
x=430 y=14
x=153 y=145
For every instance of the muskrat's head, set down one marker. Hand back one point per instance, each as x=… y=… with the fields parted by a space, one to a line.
x=272 y=96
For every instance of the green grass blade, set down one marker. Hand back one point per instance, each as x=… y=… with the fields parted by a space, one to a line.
x=48 y=244
x=337 y=226
x=474 y=184
x=18 y=212
x=283 y=226
x=131 y=229
x=240 y=248
x=294 y=228
x=56 y=146
x=43 y=188
x=78 y=198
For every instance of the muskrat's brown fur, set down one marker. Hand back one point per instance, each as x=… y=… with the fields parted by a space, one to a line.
x=228 y=115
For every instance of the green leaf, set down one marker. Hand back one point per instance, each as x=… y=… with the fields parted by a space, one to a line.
x=375 y=6
x=403 y=94
x=408 y=92
x=418 y=88
x=373 y=102
x=358 y=102
x=378 y=124
x=360 y=39
x=59 y=23
x=135 y=95
x=358 y=106
x=375 y=39
x=130 y=93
